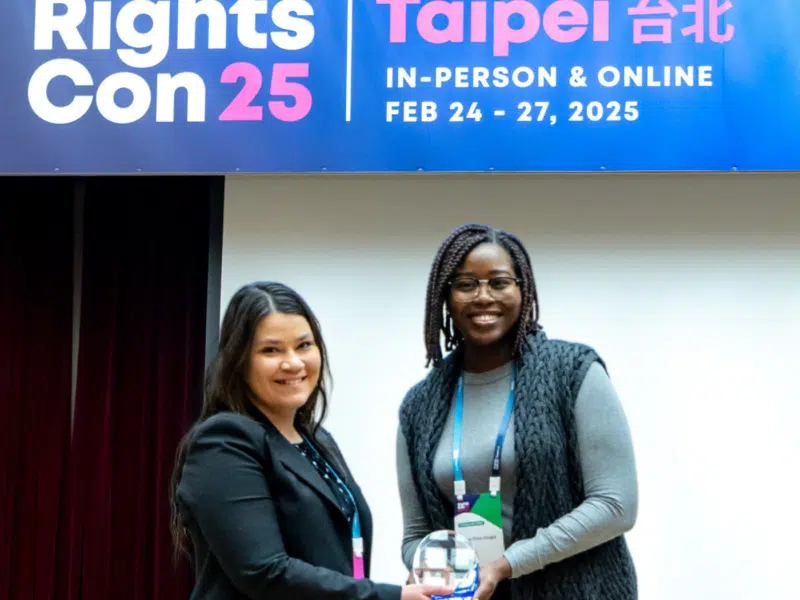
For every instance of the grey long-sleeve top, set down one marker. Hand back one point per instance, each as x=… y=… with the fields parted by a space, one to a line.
x=607 y=463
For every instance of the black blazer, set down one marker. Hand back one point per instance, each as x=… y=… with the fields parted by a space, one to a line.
x=264 y=524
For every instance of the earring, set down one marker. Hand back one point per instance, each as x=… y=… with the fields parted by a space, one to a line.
x=449 y=336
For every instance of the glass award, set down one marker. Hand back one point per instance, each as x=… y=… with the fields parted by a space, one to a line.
x=447 y=558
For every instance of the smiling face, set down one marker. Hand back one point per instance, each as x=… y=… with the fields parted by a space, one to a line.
x=485 y=316
x=284 y=365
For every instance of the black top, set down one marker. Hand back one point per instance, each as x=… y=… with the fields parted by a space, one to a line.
x=264 y=523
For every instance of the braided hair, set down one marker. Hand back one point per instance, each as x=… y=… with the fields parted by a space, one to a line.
x=451 y=255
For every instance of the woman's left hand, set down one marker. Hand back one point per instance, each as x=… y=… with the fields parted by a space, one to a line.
x=491 y=575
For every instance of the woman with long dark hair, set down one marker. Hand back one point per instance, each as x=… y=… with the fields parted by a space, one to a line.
x=260 y=491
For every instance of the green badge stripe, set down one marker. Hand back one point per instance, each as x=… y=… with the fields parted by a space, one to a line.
x=490 y=508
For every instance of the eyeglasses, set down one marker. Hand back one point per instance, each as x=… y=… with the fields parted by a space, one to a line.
x=465 y=289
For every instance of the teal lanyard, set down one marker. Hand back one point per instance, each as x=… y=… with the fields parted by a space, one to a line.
x=494 y=480
x=358 y=546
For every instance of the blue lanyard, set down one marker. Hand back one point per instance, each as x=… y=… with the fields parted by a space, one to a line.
x=358 y=542
x=494 y=480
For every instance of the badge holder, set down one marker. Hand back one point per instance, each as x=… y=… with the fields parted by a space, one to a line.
x=358 y=558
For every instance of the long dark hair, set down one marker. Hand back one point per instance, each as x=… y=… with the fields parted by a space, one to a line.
x=226 y=389
x=452 y=253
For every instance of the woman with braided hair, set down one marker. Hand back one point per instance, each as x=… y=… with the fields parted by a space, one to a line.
x=516 y=441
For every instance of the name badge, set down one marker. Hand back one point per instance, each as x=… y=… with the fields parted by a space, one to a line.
x=479 y=519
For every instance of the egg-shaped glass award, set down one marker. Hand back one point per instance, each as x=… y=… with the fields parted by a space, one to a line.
x=447 y=558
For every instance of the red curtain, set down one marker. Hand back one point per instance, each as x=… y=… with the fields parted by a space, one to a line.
x=140 y=369
x=36 y=293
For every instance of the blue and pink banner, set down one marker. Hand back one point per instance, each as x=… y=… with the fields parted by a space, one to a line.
x=236 y=86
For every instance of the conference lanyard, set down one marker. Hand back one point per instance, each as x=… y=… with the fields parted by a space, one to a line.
x=494 y=480
x=358 y=541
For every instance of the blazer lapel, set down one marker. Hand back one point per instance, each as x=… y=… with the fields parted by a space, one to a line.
x=298 y=464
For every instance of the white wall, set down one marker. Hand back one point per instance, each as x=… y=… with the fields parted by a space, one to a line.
x=688 y=285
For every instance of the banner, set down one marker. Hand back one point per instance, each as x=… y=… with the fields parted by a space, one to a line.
x=236 y=86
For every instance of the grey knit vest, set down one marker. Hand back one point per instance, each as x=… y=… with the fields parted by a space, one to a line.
x=548 y=475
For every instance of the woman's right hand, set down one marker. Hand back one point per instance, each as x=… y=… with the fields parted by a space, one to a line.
x=424 y=592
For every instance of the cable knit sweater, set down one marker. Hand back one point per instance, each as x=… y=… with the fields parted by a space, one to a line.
x=548 y=475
